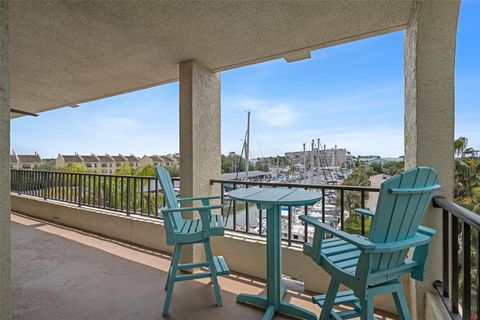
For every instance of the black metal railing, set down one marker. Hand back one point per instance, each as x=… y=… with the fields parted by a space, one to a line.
x=246 y=218
x=460 y=283
x=127 y=194
x=143 y=196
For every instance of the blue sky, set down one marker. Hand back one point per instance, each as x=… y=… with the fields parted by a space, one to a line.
x=349 y=95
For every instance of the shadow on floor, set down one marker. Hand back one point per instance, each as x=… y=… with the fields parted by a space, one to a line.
x=63 y=273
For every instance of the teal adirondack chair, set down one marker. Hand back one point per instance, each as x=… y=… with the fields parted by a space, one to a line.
x=373 y=265
x=180 y=231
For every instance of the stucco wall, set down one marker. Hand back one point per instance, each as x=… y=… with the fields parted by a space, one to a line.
x=430 y=41
x=244 y=254
x=200 y=143
x=4 y=163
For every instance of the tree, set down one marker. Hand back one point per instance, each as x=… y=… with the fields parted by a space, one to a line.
x=467 y=183
x=460 y=145
x=353 y=199
x=74 y=167
x=125 y=169
x=146 y=171
x=394 y=168
x=46 y=165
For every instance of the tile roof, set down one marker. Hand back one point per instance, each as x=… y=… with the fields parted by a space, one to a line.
x=90 y=158
x=105 y=158
x=118 y=158
x=28 y=158
x=72 y=158
x=167 y=158
x=157 y=158
x=132 y=158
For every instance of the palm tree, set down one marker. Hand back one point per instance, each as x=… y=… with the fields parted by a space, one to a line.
x=460 y=146
x=467 y=175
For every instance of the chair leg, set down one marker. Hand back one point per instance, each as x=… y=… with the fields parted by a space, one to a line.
x=330 y=299
x=213 y=271
x=367 y=308
x=171 y=278
x=170 y=269
x=401 y=304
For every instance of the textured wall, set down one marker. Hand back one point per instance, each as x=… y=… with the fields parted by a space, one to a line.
x=85 y=50
x=430 y=43
x=200 y=153
x=4 y=165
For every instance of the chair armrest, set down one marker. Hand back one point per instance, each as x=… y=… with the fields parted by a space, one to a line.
x=192 y=209
x=205 y=213
x=426 y=231
x=198 y=198
x=357 y=240
x=418 y=240
x=365 y=212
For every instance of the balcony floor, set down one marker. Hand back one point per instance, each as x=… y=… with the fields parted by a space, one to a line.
x=63 y=273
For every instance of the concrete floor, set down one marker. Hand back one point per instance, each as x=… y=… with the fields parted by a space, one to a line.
x=63 y=273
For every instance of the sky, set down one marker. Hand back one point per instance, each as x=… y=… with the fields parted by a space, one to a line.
x=350 y=95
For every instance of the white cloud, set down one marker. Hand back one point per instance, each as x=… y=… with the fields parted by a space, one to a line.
x=279 y=115
x=270 y=113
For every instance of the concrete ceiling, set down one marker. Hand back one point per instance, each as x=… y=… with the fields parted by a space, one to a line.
x=67 y=52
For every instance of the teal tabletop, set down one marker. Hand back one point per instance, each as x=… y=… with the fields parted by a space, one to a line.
x=277 y=196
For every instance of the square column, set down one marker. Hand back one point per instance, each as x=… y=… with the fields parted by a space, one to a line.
x=430 y=41
x=5 y=260
x=200 y=149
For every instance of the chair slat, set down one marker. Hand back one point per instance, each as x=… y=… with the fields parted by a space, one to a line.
x=180 y=231
x=402 y=203
x=399 y=214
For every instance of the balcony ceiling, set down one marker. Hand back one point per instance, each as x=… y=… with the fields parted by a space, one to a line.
x=67 y=52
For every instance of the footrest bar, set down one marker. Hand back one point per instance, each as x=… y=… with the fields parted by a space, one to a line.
x=344 y=297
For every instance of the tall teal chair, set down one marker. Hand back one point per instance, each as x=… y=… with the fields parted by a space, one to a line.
x=180 y=231
x=373 y=265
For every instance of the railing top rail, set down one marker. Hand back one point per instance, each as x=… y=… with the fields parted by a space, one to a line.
x=298 y=185
x=91 y=173
x=460 y=212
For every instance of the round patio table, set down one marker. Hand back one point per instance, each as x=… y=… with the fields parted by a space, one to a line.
x=272 y=199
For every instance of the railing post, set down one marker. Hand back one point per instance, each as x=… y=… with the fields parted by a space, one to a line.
x=455 y=271
x=478 y=273
x=44 y=185
x=445 y=254
x=342 y=209
x=362 y=201
x=80 y=190
x=128 y=196
x=466 y=271
x=323 y=205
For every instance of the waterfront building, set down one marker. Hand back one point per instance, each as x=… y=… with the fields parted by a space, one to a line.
x=102 y=164
x=25 y=161
x=155 y=160
x=326 y=158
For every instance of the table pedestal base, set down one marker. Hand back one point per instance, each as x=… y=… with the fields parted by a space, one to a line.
x=272 y=301
x=284 y=307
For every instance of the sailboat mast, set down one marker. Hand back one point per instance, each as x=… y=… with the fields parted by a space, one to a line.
x=247 y=145
x=304 y=162
x=312 y=161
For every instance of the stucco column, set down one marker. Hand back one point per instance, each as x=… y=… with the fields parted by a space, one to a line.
x=4 y=165
x=200 y=153
x=430 y=42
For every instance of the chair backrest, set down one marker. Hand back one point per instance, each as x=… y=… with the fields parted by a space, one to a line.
x=169 y=195
x=402 y=203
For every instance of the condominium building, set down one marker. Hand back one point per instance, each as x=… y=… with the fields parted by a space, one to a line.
x=101 y=163
x=169 y=161
x=25 y=161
